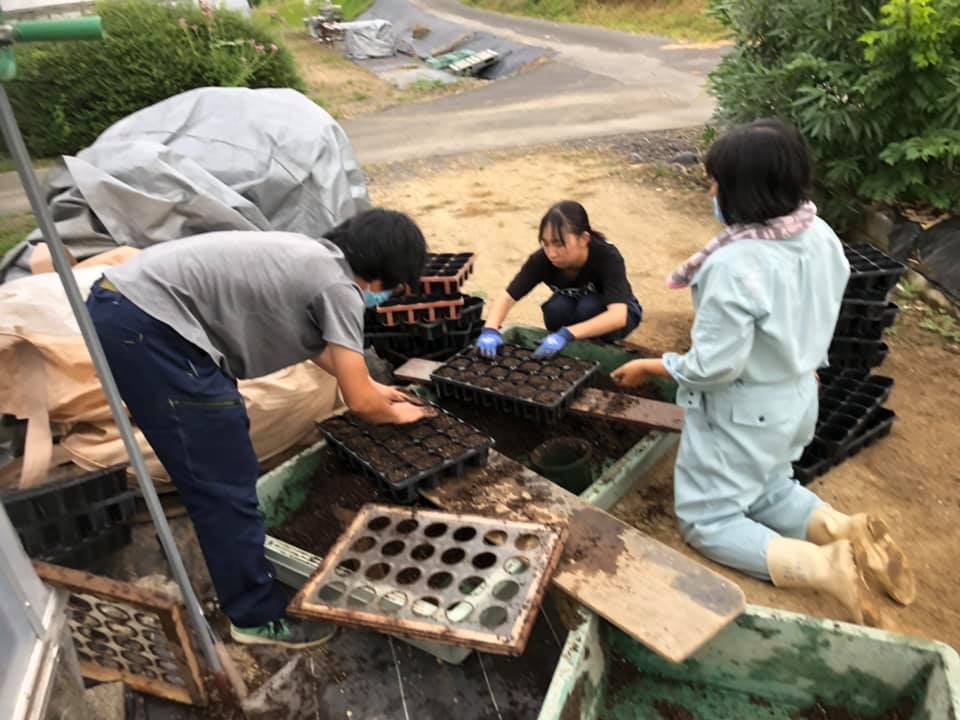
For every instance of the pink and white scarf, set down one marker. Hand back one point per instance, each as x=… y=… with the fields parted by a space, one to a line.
x=779 y=228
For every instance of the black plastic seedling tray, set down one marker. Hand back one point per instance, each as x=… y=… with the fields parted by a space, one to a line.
x=879 y=425
x=90 y=553
x=412 y=309
x=445 y=273
x=872 y=274
x=470 y=314
x=866 y=319
x=854 y=353
x=837 y=431
x=814 y=463
x=52 y=518
x=403 y=458
x=515 y=383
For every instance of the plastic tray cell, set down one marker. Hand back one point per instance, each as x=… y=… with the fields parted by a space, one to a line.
x=855 y=353
x=402 y=458
x=865 y=320
x=445 y=273
x=514 y=382
x=56 y=521
x=420 y=309
x=458 y=579
x=814 y=462
x=872 y=273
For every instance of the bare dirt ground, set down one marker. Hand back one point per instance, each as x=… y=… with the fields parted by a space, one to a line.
x=491 y=204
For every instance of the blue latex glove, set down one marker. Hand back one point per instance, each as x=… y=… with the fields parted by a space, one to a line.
x=488 y=342
x=553 y=343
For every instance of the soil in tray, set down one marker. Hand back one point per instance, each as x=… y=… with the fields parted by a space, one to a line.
x=517 y=437
x=334 y=495
x=628 y=687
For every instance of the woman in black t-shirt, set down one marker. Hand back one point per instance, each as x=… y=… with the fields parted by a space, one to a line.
x=591 y=298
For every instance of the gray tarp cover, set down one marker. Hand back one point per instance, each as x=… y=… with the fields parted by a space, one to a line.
x=369 y=39
x=208 y=159
x=444 y=36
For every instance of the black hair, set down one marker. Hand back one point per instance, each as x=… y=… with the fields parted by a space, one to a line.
x=762 y=169
x=382 y=245
x=568 y=216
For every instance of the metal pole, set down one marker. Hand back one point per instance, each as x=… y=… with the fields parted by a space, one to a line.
x=18 y=151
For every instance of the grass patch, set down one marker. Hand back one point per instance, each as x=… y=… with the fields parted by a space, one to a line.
x=14 y=228
x=678 y=19
x=6 y=163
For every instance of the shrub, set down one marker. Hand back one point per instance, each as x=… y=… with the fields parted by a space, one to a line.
x=874 y=86
x=68 y=93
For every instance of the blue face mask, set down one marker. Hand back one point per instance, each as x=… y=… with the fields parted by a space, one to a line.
x=372 y=299
x=717 y=212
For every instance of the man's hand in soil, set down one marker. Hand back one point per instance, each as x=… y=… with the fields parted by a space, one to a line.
x=393 y=394
x=406 y=412
x=637 y=372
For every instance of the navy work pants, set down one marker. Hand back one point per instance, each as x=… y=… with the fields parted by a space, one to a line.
x=194 y=418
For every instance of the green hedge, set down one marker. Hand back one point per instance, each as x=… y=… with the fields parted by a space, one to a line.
x=66 y=94
x=873 y=85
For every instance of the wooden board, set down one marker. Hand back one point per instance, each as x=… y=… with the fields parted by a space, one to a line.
x=616 y=407
x=656 y=595
x=629 y=410
x=417 y=370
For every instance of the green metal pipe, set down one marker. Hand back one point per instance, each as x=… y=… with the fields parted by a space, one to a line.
x=84 y=28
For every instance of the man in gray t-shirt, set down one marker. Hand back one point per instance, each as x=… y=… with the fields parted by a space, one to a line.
x=184 y=320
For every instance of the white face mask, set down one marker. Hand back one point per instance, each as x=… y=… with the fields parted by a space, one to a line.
x=372 y=299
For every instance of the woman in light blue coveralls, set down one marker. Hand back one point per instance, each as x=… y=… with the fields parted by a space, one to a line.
x=766 y=294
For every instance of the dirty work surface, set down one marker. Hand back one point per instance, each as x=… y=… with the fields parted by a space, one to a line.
x=336 y=492
x=370 y=675
x=366 y=676
x=334 y=496
x=655 y=595
x=516 y=437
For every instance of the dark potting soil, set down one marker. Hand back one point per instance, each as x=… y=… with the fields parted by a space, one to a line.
x=517 y=437
x=903 y=710
x=334 y=496
x=622 y=675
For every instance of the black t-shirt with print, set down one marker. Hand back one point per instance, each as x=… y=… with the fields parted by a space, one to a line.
x=604 y=273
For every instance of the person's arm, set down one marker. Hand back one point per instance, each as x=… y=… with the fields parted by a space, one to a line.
x=499 y=310
x=723 y=333
x=388 y=392
x=610 y=320
x=362 y=394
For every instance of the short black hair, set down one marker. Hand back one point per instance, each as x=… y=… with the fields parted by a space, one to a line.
x=382 y=245
x=762 y=169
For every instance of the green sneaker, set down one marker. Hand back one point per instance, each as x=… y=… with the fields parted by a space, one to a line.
x=285 y=632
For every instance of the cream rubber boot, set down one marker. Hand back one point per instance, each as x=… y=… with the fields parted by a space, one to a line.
x=830 y=568
x=880 y=558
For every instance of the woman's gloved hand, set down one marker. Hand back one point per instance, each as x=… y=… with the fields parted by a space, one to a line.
x=553 y=343
x=488 y=342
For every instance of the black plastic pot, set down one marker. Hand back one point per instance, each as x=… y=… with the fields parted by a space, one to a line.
x=565 y=461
